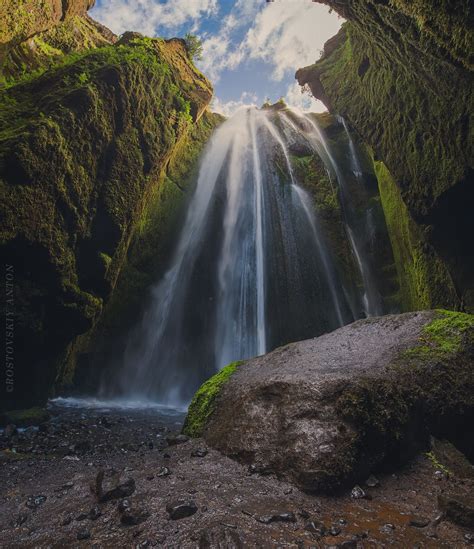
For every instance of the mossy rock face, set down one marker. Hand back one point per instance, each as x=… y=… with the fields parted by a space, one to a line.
x=75 y=176
x=326 y=412
x=425 y=281
x=401 y=75
x=25 y=418
x=22 y=19
x=204 y=401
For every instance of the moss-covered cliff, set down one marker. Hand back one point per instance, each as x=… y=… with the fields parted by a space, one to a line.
x=401 y=74
x=83 y=146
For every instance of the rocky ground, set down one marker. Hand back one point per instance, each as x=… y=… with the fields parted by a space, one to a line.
x=108 y=478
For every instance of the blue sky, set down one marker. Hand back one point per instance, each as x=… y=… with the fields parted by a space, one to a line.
x=252 y=48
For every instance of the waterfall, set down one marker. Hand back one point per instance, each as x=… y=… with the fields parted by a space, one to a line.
x=355 y=162
x=252 y=268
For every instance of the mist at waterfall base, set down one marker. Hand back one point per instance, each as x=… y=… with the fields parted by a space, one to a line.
x=252 y=268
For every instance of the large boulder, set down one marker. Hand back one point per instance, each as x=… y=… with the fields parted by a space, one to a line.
x=327 y=411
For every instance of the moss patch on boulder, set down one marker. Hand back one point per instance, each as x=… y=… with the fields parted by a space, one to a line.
x=203 y=404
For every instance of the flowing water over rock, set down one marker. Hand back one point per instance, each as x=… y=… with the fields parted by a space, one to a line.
x=252 y=268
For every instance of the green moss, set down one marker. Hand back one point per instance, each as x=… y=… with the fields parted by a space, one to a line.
x=25 y=418
x=444 y=336
x=439 y=466
x=425 y=282
x=202 y=405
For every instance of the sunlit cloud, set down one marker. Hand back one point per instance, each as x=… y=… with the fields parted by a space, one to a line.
x=147 y=16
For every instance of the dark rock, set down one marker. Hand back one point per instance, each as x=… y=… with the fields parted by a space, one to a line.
x=387 y=528
x=349 y=544
x=469 y=537
x=277 y=517
x=200 y=452
x=109 y=485
x=173 y=440
x=316 y=527
x=334 y=530
x=358 y=493
x=181 y=509
x=332 y=392
x=452 y=459
x=259 y=469
x=419 y=522
x=95 y=513
x=132 y=516
x=123 y=505
x=163 y=472
x=82 y=516
x=35 y=501
x=372 y=482
x=458 y=508
x=83 y=534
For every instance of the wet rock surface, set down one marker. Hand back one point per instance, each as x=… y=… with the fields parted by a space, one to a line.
x=327 y=412
x=230 y=499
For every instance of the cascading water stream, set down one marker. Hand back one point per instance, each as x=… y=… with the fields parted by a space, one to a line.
x=355 y=162
x=371 y=297
x=251 y=270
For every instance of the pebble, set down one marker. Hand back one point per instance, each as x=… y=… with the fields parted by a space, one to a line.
x=95 y=513
x=334 y=531
x=199 y=452
x=316 y=527
x=83 y=534
x=181 y=509
x=387 y=528
x=277 y=517
x=358 y=493
x=419 y=522
x=163 y=472
x=35 y=501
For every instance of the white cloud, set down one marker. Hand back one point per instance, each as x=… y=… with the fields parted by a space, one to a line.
x=289 y=34
x=228 y=108
x=146 y=16
x=286 y=35
x=301 y=99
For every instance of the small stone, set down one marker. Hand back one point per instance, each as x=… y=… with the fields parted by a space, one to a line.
x=95 y=513
x=132 y=517
x=110 y=486
x=419 y=522
x=82 y=516
x=199 y=452
x=181 y=509
x=163 y=472
x=349 y=544
x=358 y=493
x=387 y=528
x=83 y=534
x=173 y=440
x=277 y=517
x=35 y=501
x=469 y=537
x=439 y=475
x=372 y=482
x=334 y=531
x=316 y=527
x=342 y=522
x=123 y=505
x=67 y=486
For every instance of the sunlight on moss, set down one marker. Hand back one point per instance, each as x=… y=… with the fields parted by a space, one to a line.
x=202 y=405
